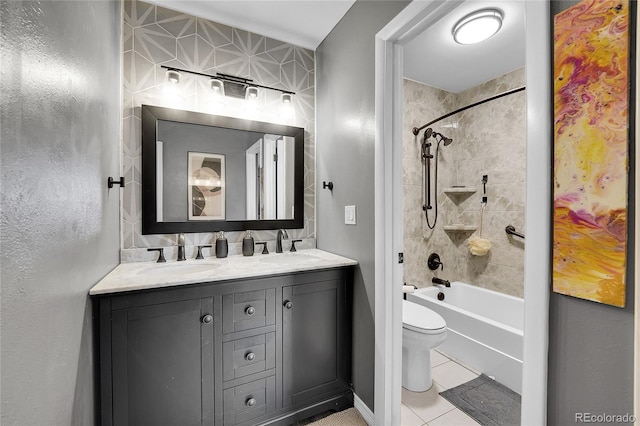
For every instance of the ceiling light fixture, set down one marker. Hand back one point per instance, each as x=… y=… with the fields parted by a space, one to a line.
x=478 y=26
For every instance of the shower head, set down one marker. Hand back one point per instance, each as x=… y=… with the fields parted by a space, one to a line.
x=442 y=138
x=427 y=133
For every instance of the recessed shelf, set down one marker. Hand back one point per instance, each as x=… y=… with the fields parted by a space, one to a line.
x=459 y=190
x=459 y=227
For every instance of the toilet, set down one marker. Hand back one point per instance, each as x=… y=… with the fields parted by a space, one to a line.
x=422 y=330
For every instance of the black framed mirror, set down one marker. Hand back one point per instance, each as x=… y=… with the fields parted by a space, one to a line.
x=206 y=173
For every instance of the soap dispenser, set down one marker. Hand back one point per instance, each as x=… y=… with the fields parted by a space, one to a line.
x=247 y=244
x=222 y=246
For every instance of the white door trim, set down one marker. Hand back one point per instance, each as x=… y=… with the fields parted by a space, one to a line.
x=388 y=207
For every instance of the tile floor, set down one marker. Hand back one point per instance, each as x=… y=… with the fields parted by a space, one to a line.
x=429 y=408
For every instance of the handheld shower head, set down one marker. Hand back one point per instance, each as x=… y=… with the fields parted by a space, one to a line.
x=427 y=133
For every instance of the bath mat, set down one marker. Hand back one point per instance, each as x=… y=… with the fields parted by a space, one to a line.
x=487 y=401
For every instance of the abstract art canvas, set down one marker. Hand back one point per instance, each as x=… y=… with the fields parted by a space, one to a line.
x=591 y=149
x=206 y=186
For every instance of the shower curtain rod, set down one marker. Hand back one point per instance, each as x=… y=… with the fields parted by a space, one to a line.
x=416 y=130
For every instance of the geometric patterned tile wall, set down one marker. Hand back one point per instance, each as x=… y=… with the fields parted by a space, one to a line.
x=155 y=36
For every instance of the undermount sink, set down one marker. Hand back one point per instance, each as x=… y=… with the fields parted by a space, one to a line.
x=289 y=258
x=179 y=268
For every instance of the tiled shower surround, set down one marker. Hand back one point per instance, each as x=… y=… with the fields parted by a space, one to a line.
x=488 y=139
x=155 y=36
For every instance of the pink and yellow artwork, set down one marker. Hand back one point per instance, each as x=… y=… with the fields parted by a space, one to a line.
x=591 y=129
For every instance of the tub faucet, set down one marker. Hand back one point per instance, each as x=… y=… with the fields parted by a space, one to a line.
x=282 y=233
x=439 y=281
x=181 y=247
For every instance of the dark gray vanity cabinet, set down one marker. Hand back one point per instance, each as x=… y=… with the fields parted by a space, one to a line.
x=270 y=350
x=314 y=341
x=162 y=363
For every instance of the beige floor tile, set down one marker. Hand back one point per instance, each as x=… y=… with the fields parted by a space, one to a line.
x=409 y=418
x=451 y=374
x=428 y=405
x=454 y=418
x=437 y=358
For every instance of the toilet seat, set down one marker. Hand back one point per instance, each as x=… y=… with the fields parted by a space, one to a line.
x=421 y=319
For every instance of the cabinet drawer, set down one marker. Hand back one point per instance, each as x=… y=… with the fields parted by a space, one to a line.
x=250 y=355
x=245 y=402
x=248 y=310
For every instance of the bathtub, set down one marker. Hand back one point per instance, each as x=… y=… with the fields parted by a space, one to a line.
x=484 y=329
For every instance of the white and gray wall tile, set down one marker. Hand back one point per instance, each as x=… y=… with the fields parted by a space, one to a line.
x=489 y=139
x=154 y=36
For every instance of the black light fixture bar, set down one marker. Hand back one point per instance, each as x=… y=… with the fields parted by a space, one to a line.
x=229 y=78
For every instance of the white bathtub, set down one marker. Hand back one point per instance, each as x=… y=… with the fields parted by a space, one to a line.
x=485 y=329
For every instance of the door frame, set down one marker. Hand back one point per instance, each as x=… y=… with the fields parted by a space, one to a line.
x=412 y=20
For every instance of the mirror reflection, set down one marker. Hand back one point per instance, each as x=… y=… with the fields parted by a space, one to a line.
x=204 y=172
x=217 y=173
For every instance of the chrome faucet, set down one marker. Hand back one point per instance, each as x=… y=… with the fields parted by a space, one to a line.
x=181 y=247
x=282 y=233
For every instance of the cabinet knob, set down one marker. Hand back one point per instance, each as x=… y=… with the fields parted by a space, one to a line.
x=288 y=304
x=250 y=356
x=250 y=310
x=207 y=319
x=250 y=402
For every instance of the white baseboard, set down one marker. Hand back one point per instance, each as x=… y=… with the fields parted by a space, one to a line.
x=364 y=411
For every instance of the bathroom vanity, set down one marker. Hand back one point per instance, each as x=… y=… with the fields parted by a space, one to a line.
x=253 y=340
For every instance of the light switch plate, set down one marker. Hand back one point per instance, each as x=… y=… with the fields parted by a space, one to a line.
x=349 y=215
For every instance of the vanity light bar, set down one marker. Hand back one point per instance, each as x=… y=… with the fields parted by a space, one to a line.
x=226 y=78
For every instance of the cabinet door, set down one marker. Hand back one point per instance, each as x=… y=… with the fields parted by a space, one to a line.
x=163 y=364
x=315 y=356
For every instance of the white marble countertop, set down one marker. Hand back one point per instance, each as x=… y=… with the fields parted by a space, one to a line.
x=151 y=275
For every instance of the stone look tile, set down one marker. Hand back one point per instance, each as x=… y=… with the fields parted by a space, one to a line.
x=495 y=146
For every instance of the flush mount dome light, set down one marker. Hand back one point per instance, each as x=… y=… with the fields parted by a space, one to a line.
x=477 y=26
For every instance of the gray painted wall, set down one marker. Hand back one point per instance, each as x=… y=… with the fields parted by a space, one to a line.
x=591 y=344
x=345 y=113
x=60 y=137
